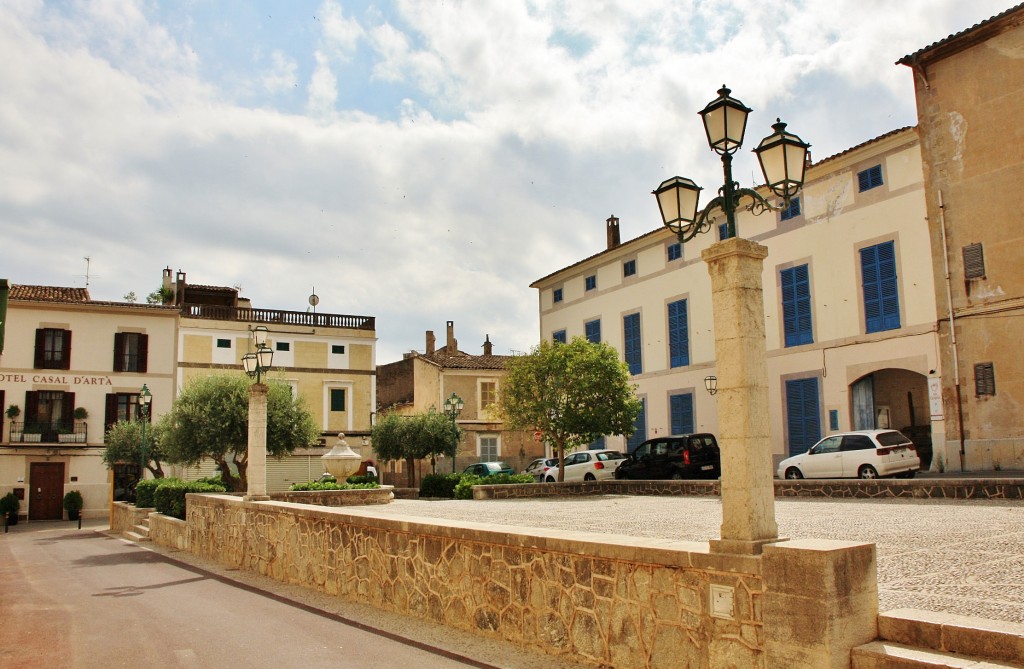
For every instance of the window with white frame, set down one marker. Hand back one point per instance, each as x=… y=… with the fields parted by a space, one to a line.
x=488 y=447
x=488 y=393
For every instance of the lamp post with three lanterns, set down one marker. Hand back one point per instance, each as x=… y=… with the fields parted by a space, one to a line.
x=735 y=266
x=256 y=364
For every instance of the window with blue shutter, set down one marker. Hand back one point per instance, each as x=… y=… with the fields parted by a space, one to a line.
x=559 y=337
x=629 y=268
x=681 y=413
x=869 y=178
x=802 y=418
x=678 y=335
x=632 y=343
x=796 y=306
x=723 y=231
x=639 y=435
x=792 y=211
x=675 y=251
x=590 y=283
x=881 y=290
x=556 y=295
x=593 y=331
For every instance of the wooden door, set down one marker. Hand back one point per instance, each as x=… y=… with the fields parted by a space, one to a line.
x=46 y=496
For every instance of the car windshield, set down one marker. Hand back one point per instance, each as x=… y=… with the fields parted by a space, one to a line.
x=893 y=438
x=614 y=455
x=499 y=465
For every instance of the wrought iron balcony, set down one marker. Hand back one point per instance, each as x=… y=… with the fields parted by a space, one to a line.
x=39 y=432
x=277 y=316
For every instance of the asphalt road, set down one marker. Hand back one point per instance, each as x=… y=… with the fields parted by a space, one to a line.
x=80 y=599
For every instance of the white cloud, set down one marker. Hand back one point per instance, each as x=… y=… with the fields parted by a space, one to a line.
x=283 y=74
x=323 y=88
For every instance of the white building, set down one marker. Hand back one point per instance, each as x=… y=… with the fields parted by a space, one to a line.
x=849 y=306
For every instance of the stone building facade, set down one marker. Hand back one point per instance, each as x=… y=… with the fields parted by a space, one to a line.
x=421 y=382
x=849 y=301
x=970 y=92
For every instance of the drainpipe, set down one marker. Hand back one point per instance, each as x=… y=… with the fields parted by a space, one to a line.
x=952 y=328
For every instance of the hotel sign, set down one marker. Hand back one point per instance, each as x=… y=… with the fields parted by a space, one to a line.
x=58 y=379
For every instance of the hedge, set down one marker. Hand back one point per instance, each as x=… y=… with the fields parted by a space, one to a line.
x=169 y=496
x=464 y=489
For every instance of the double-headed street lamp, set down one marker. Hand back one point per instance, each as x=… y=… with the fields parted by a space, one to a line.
x=735 y=267
x=145 y=400
x=256 y=365
x=452 y=408
x=782 y=156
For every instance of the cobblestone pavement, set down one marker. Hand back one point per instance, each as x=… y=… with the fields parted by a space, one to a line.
x=964 y=557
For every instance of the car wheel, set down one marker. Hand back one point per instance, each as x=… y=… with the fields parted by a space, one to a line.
x=589 y=477
x=793 y=473
x=549 y=480
x=867 y=472
x=907 y=475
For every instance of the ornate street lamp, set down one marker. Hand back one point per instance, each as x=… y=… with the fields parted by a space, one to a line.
x=258 y=363
x=782 y=156
x=145 y=399
x=452 y=408
x=735 y=268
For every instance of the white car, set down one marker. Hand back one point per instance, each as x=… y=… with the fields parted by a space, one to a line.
x=865 y=454
x=539 y=467
x=587 y=466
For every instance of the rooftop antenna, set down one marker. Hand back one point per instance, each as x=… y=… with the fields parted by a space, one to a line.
x=88 y=264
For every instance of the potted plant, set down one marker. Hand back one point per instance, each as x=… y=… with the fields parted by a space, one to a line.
x=9 y=506
x=81 y=413
x=73 y=504
x=13 y=411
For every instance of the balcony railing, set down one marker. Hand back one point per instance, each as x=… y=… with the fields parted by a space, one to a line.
x=276 y=316
x=60 y=432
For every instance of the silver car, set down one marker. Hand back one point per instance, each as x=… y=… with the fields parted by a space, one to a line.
x=865 y=454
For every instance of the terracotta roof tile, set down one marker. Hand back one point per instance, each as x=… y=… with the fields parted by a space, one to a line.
x=462 y=360
x=48 y=293
x=911 y=58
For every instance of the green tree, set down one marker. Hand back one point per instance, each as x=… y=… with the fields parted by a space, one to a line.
x=124 y=443
x=210 y=419
x=410 y=438
x=571 y=393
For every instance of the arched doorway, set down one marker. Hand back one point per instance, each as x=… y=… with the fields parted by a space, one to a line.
x=897 y=399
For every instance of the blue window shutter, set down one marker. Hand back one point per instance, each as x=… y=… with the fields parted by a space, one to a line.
x=681 y=413
x=593 y=331
x=796 y=306
x=802 y=419
x=675 y=251
x=678 y=334
x=559 y=336
x=639 y=428
x=723 y=231
x=632 y=343
x=869 y=178
x=881 y=287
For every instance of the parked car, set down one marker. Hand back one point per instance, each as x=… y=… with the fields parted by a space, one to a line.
x=596 y=465
x=539 y=467
x=489 y=468
x=865 y=454
x=687 y=456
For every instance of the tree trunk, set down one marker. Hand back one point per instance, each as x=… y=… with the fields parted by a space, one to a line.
x=231 y=482
x=410 y=465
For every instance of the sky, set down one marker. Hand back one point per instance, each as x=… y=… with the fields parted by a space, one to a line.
x=419 y=161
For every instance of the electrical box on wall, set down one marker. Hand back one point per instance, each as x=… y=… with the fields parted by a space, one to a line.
x=723 y=601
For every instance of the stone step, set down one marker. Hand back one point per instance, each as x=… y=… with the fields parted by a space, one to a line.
x=950 y=633
x=891 y=655
x=142 y=529
x=136 y=537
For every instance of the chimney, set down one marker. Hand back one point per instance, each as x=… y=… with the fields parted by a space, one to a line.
x=179 y=289
x=430 y=342
x=452 y=346
x=613 y=232
x=488 y=346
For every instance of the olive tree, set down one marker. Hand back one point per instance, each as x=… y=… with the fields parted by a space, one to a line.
x=210 y=419
x=124 y=445
x=410 y=438
x=571 y=393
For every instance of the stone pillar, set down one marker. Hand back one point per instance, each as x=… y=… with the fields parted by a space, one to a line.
x=256 y=472
x=748 y=490
x=820 y=601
